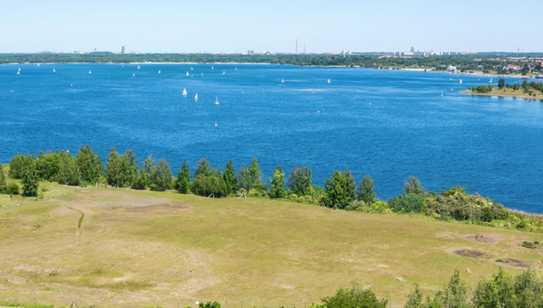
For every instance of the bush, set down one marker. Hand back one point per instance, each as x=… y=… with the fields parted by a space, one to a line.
x=249 y=177
x=182 y=183
x=211 y=185
x=68 y=172
x=13 y=189
x=355 y=297
x=408 y=203
x=366 y=191
x=48 y=166
x=89 y=164
x=19 y=164
x=3 y=182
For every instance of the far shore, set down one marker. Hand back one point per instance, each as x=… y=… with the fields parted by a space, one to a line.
x=507 y=94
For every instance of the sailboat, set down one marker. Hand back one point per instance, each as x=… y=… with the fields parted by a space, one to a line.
x=90 y=72
x=54 y=70
x=139 y=67
x=223 y=73
x=184 y=92
x=133 y=75
x=216 y=124
x=196 y=97
x=217 y=101
x=212 y=68
x=19 y=71
x=460 y=81
x=329 y=81
x=282 y=80
x=159 y=72
x=187 y=74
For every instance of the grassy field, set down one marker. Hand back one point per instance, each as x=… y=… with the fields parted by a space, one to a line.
x=110 y=247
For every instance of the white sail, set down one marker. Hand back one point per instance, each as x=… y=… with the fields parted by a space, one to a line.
x=187 y=74
x=329 y=81
x=196 y=97
x=54 y=70
x=90 y=72
x=217 y=101
x=184 y=92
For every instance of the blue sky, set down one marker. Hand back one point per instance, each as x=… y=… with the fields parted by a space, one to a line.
x=236 y=25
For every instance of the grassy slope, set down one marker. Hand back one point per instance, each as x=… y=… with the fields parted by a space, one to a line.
x=144 y=248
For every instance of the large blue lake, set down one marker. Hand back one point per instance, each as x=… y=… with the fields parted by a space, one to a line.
x=386 y=124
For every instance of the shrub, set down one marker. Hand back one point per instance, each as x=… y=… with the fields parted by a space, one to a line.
x=3 y=183
x=413 y=186
x=140 y=183
x=249 y=177
x=13 y=189
x=408 y=203
x=355 y=297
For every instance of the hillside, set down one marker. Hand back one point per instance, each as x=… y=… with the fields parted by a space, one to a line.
x=98 y=246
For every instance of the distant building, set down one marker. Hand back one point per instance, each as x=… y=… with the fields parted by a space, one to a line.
x=123 y=49
x=250 y=52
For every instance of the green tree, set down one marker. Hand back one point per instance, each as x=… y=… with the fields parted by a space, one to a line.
x=3 y=182
x=501 y=83
x=414 y=300
x=89 y=164
x=140 y=183
x=161 y=177
x=19 y=165
x=48 y=166
x=300 y=182
x=68 y=172
x=339 y=190
x=413 y=186
x=249 y=177
x=183 y=179
x=148 y=166
x=30 y=180
x=366 y=191
x=129 y=168
x=456 y=294
x=277 y=189
x=211 y=185
x=496 y=292
x=203 y=168
x=114 y=176
x=230 y=178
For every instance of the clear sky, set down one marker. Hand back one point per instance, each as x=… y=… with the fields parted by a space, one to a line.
x=273 y=25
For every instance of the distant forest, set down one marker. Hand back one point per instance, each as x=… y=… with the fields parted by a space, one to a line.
x=482 y=62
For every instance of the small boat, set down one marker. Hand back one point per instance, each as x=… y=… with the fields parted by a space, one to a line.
x=460 y=81
x=215 y=124
x=283 y=80
x=19 y=71
x=133 y=75
x=159 y=72
x=184 y=92
x=217 y=101
x=139 y=67
x=329 y=81
x=90 y=72
x=54 y=70
x=196 y=98
x=223 y=73
x=187 y=74
x=212 y=68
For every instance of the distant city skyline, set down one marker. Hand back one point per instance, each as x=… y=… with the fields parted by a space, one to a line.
x=282 y=26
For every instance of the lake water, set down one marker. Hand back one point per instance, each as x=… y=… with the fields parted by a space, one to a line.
x=387 y=124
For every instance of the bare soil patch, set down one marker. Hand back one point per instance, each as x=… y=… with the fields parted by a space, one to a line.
x=513 y=262
x=484 y=238
x=470 y=253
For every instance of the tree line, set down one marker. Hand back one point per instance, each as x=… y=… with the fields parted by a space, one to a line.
x=524 y=290
x=340 y=191
x=530 y=88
